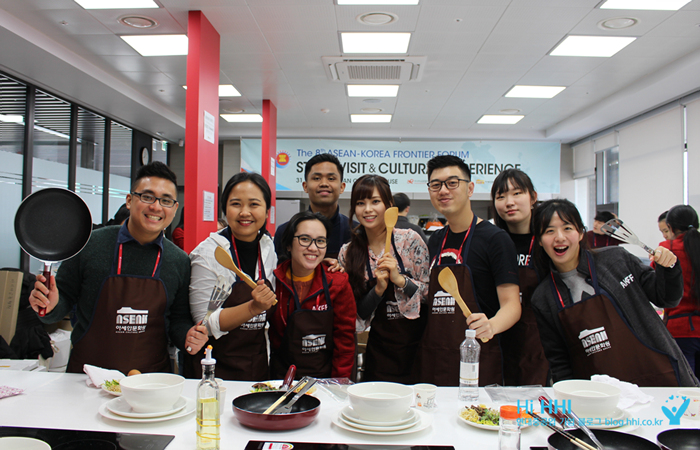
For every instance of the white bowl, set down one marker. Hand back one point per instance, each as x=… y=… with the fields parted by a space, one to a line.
x=22 y=443
x=588 y=398
x=380 y=401
x=152 y=392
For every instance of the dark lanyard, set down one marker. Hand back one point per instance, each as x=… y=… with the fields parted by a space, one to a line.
x=295 y=295
x=594 y=280
x=261 y=274
x=119 y=263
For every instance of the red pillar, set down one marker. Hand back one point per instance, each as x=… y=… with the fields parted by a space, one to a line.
x=201 y=130
x=269 y=157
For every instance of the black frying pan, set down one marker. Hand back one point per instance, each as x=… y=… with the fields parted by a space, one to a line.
x=52 y=225
x=612 y=440
x=679 y=439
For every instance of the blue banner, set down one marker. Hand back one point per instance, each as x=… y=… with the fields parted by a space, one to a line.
x=404 y=163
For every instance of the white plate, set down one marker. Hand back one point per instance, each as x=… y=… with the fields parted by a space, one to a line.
x=188 y=409
x=116 y=394
x=351 y=415
x=525 y=423
x=599 y=423
x=425 y=421
x=360 y=426
x=120 y=407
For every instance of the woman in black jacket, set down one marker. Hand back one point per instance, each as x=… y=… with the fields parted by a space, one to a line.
x=593 y=308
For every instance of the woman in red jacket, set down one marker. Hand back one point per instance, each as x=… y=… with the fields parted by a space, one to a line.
x=683 y=321
x=313 y=325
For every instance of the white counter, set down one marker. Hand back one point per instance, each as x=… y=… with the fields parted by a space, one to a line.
x=56 y=400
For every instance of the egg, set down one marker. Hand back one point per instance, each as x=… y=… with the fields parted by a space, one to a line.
x=133 y=372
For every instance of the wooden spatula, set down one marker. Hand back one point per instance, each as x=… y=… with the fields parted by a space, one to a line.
x=391 y=215
x=224 y=258
x=449 y=283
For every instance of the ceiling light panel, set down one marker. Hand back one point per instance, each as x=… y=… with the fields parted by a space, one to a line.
x=522 y=91
x=242 y=117
x=227 y=90
x=158 y=44
x=370 y=118
x=117 y=4
x=650 y=5
x=591 y=46
x=373 y=90
x=375 y=42
x=494 y=119
x=378 y=2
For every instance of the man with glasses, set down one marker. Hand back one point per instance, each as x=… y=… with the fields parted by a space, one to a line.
x=483 y=260
x=130 y=286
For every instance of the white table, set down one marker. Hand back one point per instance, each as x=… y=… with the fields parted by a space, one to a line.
x=57 y=400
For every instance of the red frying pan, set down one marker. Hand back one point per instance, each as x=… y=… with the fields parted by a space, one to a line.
x=52 y=225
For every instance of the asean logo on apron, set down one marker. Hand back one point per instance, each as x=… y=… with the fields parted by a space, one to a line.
x=594 y=341
x=131 y=321
x=443 y=303
x=313 y=343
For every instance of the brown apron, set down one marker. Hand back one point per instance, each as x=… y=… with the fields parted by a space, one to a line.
x=241 y=355
x=393 y=339
x=600 y=341
x=524 y=362
x=307 y=341
x=439 y=350
x=127 y=330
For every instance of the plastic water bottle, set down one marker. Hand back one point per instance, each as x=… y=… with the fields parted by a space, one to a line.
x=469 y=367
x=509 y=429
x=208 y=413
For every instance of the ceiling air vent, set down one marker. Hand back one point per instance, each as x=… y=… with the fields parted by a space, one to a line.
x=394 y=70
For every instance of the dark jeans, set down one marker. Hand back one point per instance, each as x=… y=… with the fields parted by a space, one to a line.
x=691 y=349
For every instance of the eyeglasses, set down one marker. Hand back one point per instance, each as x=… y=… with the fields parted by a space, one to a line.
x=451 y=184
x=306 y=241
x=165 y=202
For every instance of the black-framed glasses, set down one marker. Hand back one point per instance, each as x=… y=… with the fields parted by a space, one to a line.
x=305 y=241
x=451 y=184
x=165 y=202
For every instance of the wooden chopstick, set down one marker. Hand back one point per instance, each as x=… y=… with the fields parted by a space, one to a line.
x=573 y=439
x=291 y=390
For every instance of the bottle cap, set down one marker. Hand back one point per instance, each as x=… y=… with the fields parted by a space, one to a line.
x=208 y=360
x=470 y=333
x=509 y=412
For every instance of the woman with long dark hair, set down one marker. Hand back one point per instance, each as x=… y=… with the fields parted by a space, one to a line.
x=237 y=329
x=313 y=325
x=683 y=321
x=388 y=287
x=513 y=197
x=593 y=310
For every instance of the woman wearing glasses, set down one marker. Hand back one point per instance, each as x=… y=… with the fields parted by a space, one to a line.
x=388 y=287
x=237 y=330
x=313 y=325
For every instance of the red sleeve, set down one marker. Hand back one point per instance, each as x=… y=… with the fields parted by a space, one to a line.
x=344 y=314
x=179 y=237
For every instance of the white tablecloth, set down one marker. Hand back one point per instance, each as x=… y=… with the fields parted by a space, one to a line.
x=57 y=400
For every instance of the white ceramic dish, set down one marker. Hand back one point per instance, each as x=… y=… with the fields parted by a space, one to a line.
x=359 y=426
x=22 y=443
x=425 y=421
x=187 y=410
x=380 y=401
x=588 y=398
x=352 y=416
x=116 y=394
x=121 y=407
x=152 y=392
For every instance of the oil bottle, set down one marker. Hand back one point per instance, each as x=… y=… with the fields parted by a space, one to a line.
x=208 y=406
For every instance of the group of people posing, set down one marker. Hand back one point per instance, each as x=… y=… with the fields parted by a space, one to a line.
x=544 y=306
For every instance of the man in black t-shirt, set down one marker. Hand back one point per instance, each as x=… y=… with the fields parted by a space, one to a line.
x=482 y=257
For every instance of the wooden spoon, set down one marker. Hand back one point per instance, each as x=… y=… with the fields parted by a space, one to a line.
x=391 y=215
x=449 y=283
x=224 y=258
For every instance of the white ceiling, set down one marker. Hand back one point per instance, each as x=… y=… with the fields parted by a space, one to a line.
x=271 y=49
